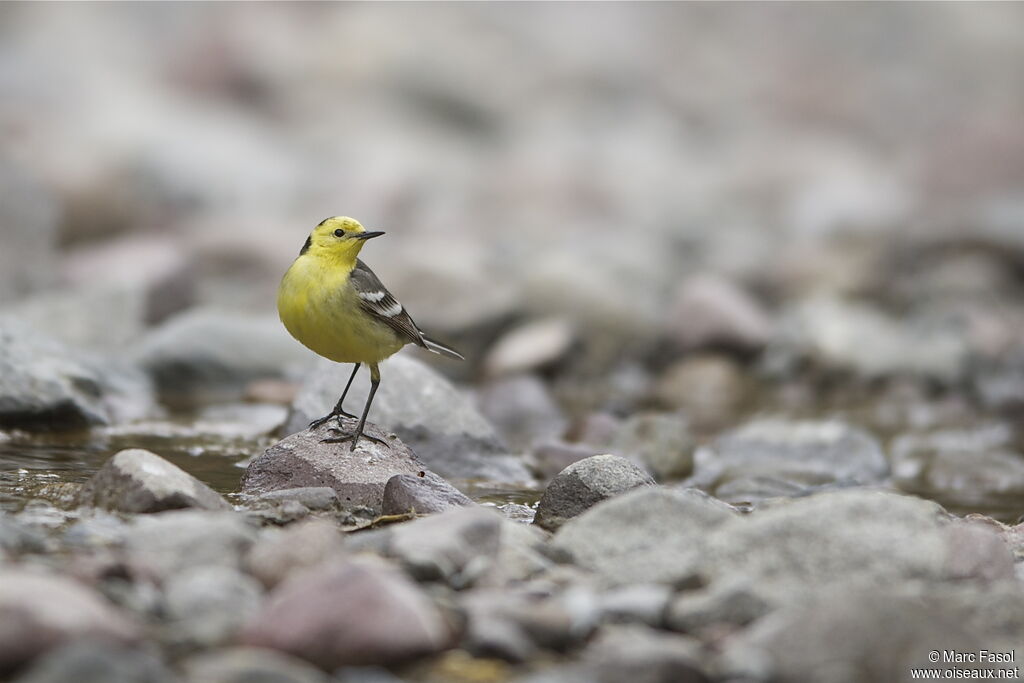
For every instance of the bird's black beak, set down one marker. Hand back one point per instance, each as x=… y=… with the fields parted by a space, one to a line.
x=368 y=235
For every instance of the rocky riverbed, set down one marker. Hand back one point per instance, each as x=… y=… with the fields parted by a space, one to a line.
x=208 y=548
x=741 y=292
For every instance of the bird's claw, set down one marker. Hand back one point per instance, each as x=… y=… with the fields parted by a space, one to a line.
x=316 y=424
x=350 y=437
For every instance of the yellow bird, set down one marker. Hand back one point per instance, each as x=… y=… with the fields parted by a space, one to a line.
x=333 y=304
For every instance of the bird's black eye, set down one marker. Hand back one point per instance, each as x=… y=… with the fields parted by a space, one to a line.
x=339 y=233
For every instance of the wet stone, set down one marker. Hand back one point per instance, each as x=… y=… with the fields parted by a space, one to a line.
x=135 y=480
x=583 y=484
x=358 y=478
x=424 y=493
x=311 y=497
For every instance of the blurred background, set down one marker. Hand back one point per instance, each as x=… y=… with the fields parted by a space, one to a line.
x=708 y=210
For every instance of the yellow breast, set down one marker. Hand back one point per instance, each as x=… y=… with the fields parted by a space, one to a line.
x=319 y=307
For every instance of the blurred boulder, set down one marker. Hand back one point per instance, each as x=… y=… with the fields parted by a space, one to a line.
x=207 y=606
x=842 y=539
x=155 y=270
x=457 y=546
x=17 y=537
x=427 y=412
x=642 y=603
x=529 y=347
x=521 y=555
x=359 y=477
x=388 y=619
x=710 y=311
x=517 y=626
x=642 y=655
x=855 y=337
x=92 y=661
x=114 y=201
x=723 y=609
x=966 y=469
x=772 y=457
x=597 y=428
x=708 y=389
x=661 y=442
x=40 y=611
x=97 y=318
x=879 y=634
x=280 y=552
x=551 y=457
x=619 y=301
x=136 y=480
x=650 y=534
x=999 y=382
x=250 y=665
x=208 y=355
x=437 y=289
x=583 y=484
x=46 y=385
x=28 y=223
x=168 y=543
x=522 y=410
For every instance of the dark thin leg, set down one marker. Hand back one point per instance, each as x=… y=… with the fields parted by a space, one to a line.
x=338 y=410
x=374 y=383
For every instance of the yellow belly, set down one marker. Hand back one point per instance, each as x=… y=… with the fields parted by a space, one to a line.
x=319 y=308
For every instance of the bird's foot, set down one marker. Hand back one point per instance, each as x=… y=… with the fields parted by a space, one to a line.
x=354 y=438
x=316 y=424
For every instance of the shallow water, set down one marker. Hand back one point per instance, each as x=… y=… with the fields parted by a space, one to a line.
x=38 y=466
x=30 y=467
x=216 y=445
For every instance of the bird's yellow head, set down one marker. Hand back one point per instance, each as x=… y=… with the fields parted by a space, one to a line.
x=338 y=237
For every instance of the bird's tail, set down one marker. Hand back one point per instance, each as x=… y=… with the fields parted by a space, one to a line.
x=438 y=347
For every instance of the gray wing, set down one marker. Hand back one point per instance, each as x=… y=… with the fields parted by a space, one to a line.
x=377 y=301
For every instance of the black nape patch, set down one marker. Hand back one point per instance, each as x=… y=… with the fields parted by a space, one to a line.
x=307 y=245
